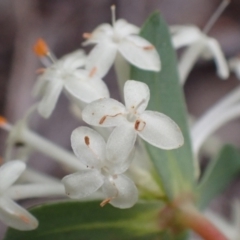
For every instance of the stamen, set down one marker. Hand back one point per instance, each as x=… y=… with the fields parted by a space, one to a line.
x=4 y=124
x=93 y=72
x=40 y=71
x=139 y=125
x=113 y=10
x=150 y=47
x=104 y=117
x=3 y=121
x=105 y=201
x=216 y=15
x=87 y=140
x=87 y=35
x=41 y=48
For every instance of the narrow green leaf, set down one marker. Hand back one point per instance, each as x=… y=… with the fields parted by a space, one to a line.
x=88 y=221
x=174 y=167
x=219 y=173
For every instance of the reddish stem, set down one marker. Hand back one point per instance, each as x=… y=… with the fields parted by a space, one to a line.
x=189 y=217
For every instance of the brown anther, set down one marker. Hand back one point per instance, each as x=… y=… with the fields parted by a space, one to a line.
x=102 y=119
x=150 y=47
x=137 y=125
x=105 y=201
x=93 y=72
x=87 y=35
x=40 y=48
x=87 y=140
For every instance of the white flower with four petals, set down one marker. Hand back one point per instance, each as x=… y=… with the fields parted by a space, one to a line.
x=132 y=120
x=105 y=170
x=66 y=74
x=120 y=37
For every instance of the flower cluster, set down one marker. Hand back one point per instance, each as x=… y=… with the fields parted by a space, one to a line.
x=103 y=157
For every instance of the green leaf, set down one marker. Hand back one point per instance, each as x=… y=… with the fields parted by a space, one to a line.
x=88 y=221
x=219 y=173
x=174 y=167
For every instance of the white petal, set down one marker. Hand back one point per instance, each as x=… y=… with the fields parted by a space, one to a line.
x=140 y=53
x=186 y=36
x=123 y=28
x=222 y=66
x=49 y=101
x=136 y=95
x=89 y=146
x=85 y=88
x=15 y=216
x=74 y=60
x=104 y=112
x=119 y=146
x=40 y=87
x=99 y=34
x=101 y=58
x=9 y=173
x=83 y=183
x=122 y=190
x=160 y=131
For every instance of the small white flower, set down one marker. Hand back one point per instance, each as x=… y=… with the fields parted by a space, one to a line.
x=192 y=36
x=132 y=120
x=105 y=171
x=66 y=74
x=120 y=37
x=11 y=213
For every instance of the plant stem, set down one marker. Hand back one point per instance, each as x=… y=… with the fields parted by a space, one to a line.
x=190 y=218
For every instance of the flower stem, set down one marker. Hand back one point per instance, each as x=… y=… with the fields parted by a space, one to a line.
x=34 y=176
x=18 y=192
x=51 y=150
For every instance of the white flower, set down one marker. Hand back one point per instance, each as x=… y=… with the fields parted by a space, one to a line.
x=11 y=213
x=121 y=37
x=66 y=73
x=105 y=171
x=209 y=47
x=132 y=120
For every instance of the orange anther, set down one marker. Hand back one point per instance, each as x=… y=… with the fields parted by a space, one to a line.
x=87 y=35
x=2 y=120
x=40 y=70
x=41 y=48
